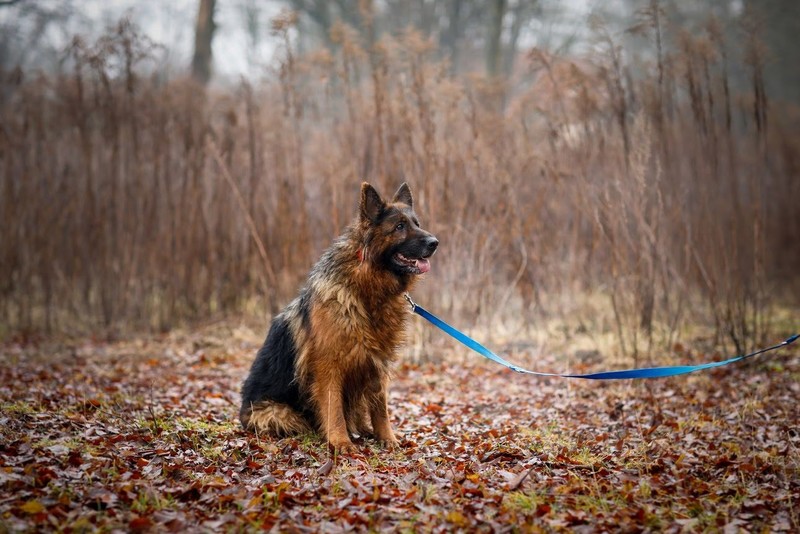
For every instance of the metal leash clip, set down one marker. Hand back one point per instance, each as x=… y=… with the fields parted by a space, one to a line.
x=411 y=302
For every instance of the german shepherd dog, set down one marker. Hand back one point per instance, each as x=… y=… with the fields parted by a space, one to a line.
x=326 y=362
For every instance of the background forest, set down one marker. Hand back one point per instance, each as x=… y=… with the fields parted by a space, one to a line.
x=620 y=173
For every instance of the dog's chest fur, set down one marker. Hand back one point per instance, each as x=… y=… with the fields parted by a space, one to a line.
x=351 y=327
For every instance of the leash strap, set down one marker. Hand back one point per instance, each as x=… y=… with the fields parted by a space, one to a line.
x=648 y=372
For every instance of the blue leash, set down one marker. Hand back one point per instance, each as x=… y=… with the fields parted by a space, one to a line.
x=648 y=372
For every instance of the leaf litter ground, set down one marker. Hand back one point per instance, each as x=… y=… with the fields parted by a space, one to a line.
x=143 y=436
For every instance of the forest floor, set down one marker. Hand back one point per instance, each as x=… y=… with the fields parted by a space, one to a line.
x=143 y=435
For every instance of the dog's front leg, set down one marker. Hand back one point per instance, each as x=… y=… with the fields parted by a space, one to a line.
x=328 y=396
x=379 y=414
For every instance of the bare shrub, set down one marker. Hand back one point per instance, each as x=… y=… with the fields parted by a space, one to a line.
x=126 y=201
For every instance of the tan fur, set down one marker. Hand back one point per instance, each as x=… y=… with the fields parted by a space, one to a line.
x=353 y=341
x=275 y=419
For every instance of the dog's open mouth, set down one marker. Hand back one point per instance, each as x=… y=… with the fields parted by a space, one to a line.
x=414 y=265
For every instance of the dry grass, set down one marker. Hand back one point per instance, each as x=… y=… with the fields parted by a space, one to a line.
x=131 y=203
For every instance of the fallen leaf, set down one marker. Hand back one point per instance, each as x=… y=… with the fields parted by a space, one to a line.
x=33 y=507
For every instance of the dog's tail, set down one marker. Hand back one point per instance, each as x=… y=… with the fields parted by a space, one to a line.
x=273 y=418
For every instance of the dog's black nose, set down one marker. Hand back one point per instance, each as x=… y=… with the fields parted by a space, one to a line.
x=432 y=243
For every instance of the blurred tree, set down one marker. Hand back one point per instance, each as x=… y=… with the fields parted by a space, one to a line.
x=521 y=14
x=494 y=32
x=203 y=37
x=27 y=32
x=775 y=24
x=778 y=24
x=490 y=30
x=256 y=17
x=318 y=11
x=448 y=40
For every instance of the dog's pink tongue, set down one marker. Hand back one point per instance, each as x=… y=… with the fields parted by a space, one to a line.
x=423 y=265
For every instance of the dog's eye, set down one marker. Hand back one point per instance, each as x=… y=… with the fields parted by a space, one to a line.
x=400 y=227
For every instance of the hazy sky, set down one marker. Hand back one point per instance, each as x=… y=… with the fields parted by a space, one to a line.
x=237 y=51
x=170 y=23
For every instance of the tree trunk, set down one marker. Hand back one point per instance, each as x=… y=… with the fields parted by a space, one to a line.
x=448 y=40
x=780 y=25
x=203 y=36
x=497 y=10
x=520 y=17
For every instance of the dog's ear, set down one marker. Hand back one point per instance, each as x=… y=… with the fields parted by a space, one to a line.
x=404 y=195
x=371 y=203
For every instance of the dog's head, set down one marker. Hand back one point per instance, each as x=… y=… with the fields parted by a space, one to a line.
x=394 y=239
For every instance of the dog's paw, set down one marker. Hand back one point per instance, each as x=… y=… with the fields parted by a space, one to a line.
x=390 y=442
x=343 y=446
